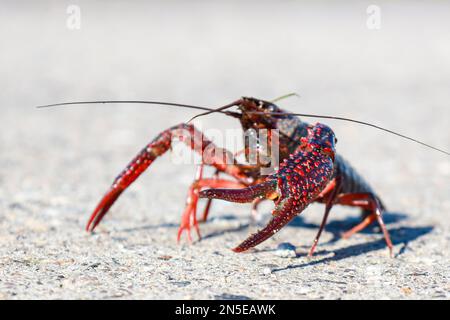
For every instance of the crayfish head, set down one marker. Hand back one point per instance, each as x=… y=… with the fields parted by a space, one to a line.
x=256 y=113
x=321 y=138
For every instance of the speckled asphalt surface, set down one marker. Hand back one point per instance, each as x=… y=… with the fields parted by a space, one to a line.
x=56 y=164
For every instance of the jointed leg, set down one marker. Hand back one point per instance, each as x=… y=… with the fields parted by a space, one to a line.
x=367 y=201
x=191 y=208
x=359 y=227
x=209 y=201
x=206 y=210
x=189 y=217
x=331 y=193
x=255 y=205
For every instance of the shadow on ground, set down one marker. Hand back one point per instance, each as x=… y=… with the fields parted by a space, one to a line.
x=337 y=227
x=401 y=235
x=169 y=225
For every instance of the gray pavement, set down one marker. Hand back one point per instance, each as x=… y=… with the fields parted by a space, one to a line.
x=56 y=164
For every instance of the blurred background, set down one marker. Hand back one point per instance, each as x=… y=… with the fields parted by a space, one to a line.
x=386 y=62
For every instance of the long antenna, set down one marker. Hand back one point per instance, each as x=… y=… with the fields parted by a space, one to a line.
x=132 y=102
x=235 y=103
x=351 y=120
x=236 y=114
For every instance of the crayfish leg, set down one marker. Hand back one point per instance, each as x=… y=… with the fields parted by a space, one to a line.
x=367 y=201
x=254 y=210
x=189 y=217
x=331 y=191
x=208 y=202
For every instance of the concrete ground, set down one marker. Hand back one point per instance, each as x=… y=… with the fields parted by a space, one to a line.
x=56 y=164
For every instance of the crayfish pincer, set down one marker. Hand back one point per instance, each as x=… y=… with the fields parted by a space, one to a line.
x=309 y=170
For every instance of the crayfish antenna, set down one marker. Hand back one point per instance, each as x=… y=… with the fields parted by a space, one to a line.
x=285 y=96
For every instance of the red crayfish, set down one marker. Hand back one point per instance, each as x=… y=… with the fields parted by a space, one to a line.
x=310 y=170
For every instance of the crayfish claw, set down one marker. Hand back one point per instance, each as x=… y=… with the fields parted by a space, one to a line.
x=281 y=215
x=108 y=200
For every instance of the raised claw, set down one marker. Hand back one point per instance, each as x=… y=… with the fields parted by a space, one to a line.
x=103 y=207
x=134 y=169
x=156 y=148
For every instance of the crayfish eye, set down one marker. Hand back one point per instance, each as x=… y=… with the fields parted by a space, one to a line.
x=335 y=140
x=270 y=108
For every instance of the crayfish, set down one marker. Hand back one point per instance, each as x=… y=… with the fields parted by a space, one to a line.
x=310 y=170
